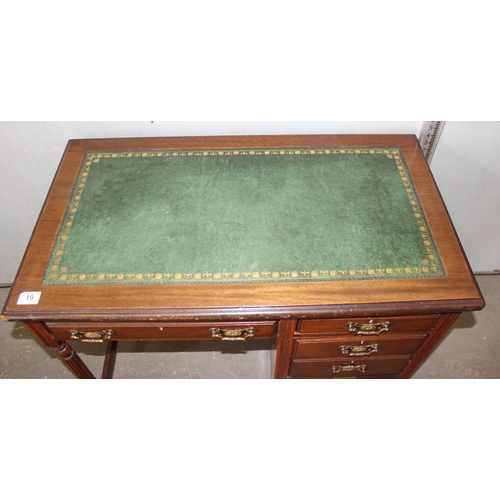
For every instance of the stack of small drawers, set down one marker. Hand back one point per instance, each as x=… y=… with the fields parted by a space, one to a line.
x=357 y=347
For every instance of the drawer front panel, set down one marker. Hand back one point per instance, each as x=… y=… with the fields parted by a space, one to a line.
x=369 y=326
x=98 y=332
x=342 y=368
x=353 y=348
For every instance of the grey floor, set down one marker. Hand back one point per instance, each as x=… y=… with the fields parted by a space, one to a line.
x=470 y=350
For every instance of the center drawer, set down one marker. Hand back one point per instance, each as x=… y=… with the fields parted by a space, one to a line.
x=137 y=331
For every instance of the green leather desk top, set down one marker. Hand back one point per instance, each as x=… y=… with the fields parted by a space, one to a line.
x=243 y=215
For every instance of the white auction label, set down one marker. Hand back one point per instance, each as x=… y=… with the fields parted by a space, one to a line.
x=28 y=298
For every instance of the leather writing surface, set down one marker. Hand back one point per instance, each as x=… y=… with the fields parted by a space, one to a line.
x=243 y=215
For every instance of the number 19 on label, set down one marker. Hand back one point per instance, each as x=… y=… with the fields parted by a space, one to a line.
x=28 y=298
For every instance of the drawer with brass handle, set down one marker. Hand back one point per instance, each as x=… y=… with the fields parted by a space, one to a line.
x=359 y=350
x=217 y=331
x=86 y=336
x=374 y=326
x=233 y=334
x=328 y=347
x=341 y=368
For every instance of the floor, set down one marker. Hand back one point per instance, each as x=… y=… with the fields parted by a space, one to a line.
x=469 y=351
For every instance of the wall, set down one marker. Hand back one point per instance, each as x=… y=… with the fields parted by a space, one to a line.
x=30 y=153
x=466 y=166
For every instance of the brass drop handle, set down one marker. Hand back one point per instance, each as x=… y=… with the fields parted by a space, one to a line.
x=368 y=328
x=229 y=334
x=359 y=350
x=91 y=336
x=348 y=368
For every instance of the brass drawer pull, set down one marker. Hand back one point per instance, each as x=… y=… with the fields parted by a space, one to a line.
x=359 y=350
x=368 y=328
x=348 y=368
x=91 y=336
x=242 y=334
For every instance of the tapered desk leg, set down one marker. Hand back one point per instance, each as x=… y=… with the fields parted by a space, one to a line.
x=439 y=331
x=63 y=349
x=109 y=359
x=286 y=330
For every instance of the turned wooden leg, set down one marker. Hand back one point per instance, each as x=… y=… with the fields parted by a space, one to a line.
x=63 y=349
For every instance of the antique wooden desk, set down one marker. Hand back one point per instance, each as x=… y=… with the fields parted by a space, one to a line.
x=338 y=247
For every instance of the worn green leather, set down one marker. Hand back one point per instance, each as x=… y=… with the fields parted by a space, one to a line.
x=246 y=215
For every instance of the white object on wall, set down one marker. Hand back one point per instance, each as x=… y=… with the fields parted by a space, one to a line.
x=429 y=138
x=466 y=166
